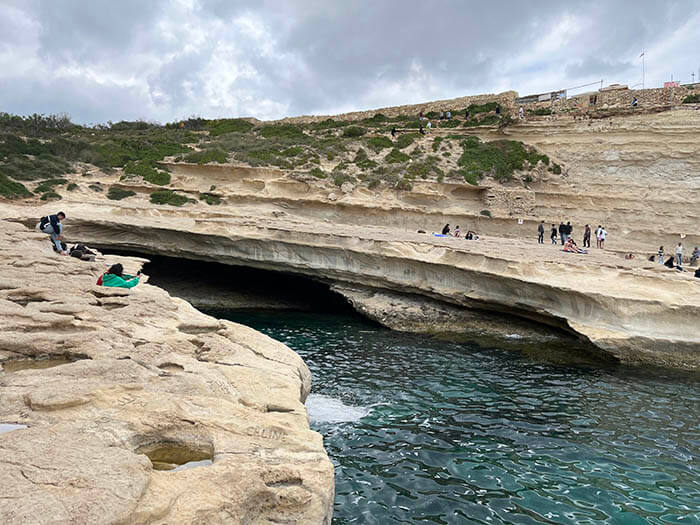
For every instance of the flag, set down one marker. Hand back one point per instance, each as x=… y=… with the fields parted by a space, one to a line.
x=640 y=56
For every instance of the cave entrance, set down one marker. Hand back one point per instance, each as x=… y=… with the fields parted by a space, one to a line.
x=211 y=285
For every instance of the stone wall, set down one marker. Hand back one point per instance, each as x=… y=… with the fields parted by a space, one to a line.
x=655 y=98
x=505 y=99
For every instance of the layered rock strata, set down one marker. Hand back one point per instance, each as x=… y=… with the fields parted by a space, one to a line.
x=122 y=406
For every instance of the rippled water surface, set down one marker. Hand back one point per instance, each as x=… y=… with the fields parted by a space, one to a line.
x=422 y=430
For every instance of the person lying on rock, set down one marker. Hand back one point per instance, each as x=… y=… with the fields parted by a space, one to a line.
x=570 y=246
x=116 y=278
x=51 y=225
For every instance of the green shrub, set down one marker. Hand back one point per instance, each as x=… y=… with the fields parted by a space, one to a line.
x=49 y=185
x=340 y=178
x=329 y=123
x=210 y=198
x=404 y=185
x=362 y=161
x=482 y=108
x=377 y=144
x=499 y=158
x=96 y=187
x=373 y=182
x=44 y=166
x=449 y=123
x=116 y=194
x=168 y=197
x=354 y=131
x=485 y=213
x=406 y=140
x=148 y=171
x=692 y=99
x=72 y=186
x=540 y=111
x=206 y=156
x=318 y=173
x=285 y=131
x=556 y=169
x=292 y=152
x=51 y=196
x=228 y=125
x=436 y=142
x=11 y=189
x=395 y=156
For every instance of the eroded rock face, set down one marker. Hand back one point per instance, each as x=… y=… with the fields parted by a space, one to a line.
x=140 y=381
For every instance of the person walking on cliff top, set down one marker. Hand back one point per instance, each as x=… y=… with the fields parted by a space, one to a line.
x=540 y=233
x=554 y=234
x=679 y=254
x=587 y=237
x=51 y=225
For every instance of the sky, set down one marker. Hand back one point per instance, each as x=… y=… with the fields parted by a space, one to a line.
x=164 y=60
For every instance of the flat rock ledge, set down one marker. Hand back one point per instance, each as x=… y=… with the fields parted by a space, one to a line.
x=124 y=407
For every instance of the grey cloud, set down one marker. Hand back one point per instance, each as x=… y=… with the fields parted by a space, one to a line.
x=327 y=55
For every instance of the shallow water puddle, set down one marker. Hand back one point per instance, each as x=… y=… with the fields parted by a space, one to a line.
x=9 y=427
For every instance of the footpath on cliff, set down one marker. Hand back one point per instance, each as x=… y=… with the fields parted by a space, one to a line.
x=130 y=406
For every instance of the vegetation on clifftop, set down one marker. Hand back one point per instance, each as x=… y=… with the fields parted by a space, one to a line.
x=46 y=148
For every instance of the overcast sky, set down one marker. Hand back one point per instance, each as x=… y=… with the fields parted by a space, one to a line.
x=159 y=60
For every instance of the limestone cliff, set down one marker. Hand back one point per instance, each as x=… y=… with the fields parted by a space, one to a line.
x=122 y=406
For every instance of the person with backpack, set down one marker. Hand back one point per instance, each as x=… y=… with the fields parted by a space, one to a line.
x=116 y=278
x=51 y=225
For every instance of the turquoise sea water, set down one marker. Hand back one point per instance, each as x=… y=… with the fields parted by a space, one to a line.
x=427 y=431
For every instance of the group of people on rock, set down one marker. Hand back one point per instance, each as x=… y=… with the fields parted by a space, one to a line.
x=469 y=236
x=564 y=234
x=677 y=261
x=114 y=277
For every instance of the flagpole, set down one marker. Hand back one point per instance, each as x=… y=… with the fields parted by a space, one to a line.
x=643 y=69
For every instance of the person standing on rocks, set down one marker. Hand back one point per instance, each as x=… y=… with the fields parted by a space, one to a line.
x=597 y=236
x=554 y=234
x=540 y=233
x=446 y=229
x=679 y=254
x=569 y=229
x=603 y=235
x=587 y=237
x=562 y=232
x=660 y=255
x=51 y=225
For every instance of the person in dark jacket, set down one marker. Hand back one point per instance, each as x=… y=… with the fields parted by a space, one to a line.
x=554 y=234
x=540 y=233
x=51 y=225
x=587 y=237
x=116 y=278
x=562 y=232
x=569 y=229
x=446 y=229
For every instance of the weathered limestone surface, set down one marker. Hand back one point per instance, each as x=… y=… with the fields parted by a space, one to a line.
x=111 y=382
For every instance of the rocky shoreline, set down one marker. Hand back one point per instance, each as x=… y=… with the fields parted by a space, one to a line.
x=122 y=406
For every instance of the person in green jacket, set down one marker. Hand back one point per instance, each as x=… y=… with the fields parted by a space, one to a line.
x=116 y=278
